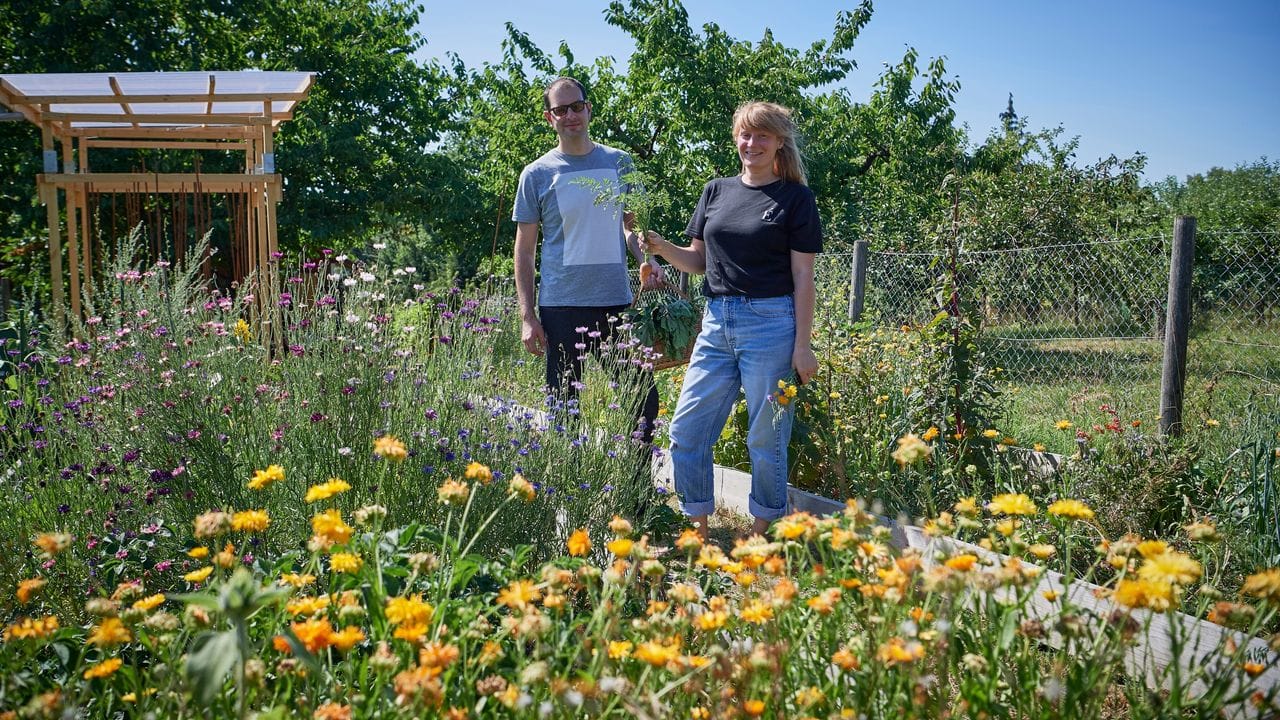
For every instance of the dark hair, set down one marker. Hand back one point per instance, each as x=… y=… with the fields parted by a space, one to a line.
x=562 y=80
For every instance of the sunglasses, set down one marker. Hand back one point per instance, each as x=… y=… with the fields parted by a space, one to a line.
x=562 y=110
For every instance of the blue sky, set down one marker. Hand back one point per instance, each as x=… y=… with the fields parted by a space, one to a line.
x=1193 y=85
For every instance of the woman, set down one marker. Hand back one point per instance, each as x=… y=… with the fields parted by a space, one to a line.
x=754 y=237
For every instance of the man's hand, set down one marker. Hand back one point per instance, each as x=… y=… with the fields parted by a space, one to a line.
x=804 y=362
x=533 y=337
x=656 y=277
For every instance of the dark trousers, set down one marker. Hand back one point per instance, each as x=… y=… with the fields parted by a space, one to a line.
x=564 y=358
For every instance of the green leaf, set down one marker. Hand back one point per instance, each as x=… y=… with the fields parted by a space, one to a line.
x=211 y=658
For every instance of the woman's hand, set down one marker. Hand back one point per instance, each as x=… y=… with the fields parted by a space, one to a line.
x=804 y=362
x=653 y=244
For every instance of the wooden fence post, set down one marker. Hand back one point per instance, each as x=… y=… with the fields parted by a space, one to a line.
x=857 y=280
x=1173 y=372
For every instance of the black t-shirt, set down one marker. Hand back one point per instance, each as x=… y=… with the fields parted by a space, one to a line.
x=750 y=232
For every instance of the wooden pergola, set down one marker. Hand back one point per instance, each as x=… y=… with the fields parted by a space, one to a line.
x=76 y=112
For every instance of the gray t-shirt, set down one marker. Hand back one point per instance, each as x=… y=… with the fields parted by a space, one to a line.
x=584 y=251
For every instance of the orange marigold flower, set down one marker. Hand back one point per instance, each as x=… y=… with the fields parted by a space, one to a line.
x=326 y=490
x=315 y=635
x=103 y=669
x=897 y=651
x=846 y=660
x=329 y=525
x=51 y=544
x=519 y=594
x=436 y=654
x=479 y=472
x=332 y=711
x=28 y=589
x=307 y=605
x=265 y=478
x=408 y=610
x=756 y=612
x=30 y=629
x=579 y=543
x=109 y=633
x=753 y=708
x=250 y=521
x=347 y=638
x=453 y=492
x=151 y=602
x=963 y=562
x=620 y=547
x=388 y=447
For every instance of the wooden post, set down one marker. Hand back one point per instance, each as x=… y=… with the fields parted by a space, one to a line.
x=49 y=196
x=73 y=227
x=1178 y=325
x=858 y=280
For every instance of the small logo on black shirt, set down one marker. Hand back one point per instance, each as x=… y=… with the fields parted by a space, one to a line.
x=770 y=214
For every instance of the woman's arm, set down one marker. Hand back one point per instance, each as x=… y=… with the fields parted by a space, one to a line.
x=692 y=259
x=802 y=357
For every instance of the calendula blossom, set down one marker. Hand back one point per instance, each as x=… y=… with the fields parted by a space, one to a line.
x=1144 y=594
x=1068 y=508
x=345 y=563
x=198 y=576
x=250 y=521
x=330 y=526
x=408 y=610
x=388 y=447
x=103 y=669
x=521 y=487
x=51 y=544
x=151 y=602
x=579 y=543
x=28 y=589
x=453 y=492
x=31 y=629
x=109 y=633
x=1264 y=585
x=1011 y=504
x=478 y=472
x=326 y=490
x=265 y=478
x=519 y=594
x=1170 y=567
x=911 y=450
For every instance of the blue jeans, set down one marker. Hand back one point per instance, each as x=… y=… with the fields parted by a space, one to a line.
x=745 y=343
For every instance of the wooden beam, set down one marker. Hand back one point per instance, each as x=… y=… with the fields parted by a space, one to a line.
x=73 y=228
x=169 y=118
x=227 y=132
x=168 y=144
x=49 y=194
x=137 y=98
x=213 y=81
x=119 y=95
x=156 y=182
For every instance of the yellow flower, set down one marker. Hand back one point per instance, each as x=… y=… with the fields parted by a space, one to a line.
x=29 y=629
x=326 y=490
x=263 y=478
x=307 y=605
x=1203 y=531
x=1042 y=551
x=453 y=492
x=198 y=552
x=241 y=331
x=931 y=434
x=198 y=576
x=793 y=526
x=689 y=541
x=103 y=669
x=620 y=526
x=329 y=525
x=481 y=473
x=990 y=434
x=657 y=653
x=756 y=612
x=966 y=506
x=388 y=447
x=347 y=638
x=297 y=580
x=579 y=543
x=825 y=602
x=753 y=708
x=28 y=589
x=1073 y=509
x=408 y=610
x=521 y=487
x=109 y=633
x=1211 y=423
x=1144 y=594
x=1170 y=567
x=911 y=450
x=519 y=594
x=1264 y=585
x=250 y=521
x=620 y=547
x=619 y=649
x=1011 y=504
x=1063 y=425
x=148 y=603
x=1151 y=548
x=345 y=563
x=963 y=562
x=897 y=651
x=846 y=660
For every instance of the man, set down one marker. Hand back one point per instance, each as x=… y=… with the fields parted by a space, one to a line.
x=584 y=248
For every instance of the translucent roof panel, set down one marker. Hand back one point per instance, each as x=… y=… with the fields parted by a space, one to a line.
x=135 y=96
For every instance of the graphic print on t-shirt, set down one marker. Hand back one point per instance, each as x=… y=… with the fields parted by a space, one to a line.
x=590 y=230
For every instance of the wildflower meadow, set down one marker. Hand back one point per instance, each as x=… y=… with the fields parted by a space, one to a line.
x=353 y=501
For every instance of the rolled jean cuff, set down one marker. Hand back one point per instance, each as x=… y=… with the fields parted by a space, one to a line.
x=765 y=513
x=693 y=509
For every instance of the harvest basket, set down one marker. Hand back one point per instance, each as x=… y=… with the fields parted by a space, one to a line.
x=664 y=314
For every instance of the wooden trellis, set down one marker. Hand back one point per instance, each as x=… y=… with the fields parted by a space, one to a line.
x=199 y=111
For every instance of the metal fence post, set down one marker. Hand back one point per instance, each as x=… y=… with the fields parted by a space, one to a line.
x=857 y=280
x=1173 y=372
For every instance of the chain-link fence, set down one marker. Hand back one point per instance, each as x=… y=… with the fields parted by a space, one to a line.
x=1092 y=315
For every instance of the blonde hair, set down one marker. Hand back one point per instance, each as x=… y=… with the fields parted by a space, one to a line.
x=775 y=120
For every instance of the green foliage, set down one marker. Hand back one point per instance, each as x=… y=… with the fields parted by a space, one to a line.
x=666 y=322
